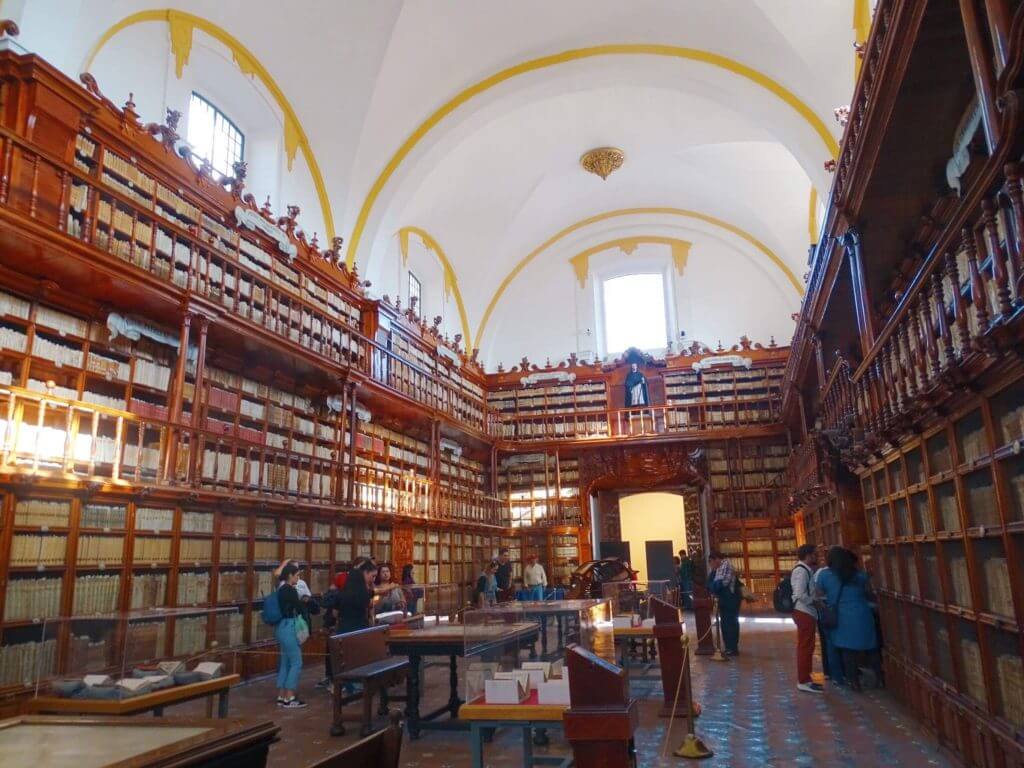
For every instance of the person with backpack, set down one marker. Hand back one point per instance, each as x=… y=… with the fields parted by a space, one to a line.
x=283 y=609
x=726 y=587
x=805 y=615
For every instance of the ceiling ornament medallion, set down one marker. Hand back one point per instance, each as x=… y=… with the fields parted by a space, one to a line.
x=603 y=161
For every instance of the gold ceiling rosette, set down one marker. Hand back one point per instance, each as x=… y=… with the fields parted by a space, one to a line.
x=603 y=160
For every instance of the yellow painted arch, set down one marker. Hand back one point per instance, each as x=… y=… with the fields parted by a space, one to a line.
x=682 y=212
x=645 y=49
x=451 y=282
x=181 y=26
x=680 y=252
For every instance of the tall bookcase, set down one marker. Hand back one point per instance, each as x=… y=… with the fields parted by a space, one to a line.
x=945 y=518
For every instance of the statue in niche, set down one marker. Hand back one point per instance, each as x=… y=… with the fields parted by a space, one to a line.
x=636 y=387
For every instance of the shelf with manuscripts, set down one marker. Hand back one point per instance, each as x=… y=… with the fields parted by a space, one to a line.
x=565 y=557
x=734 y=396
x=448 y=388
x=99 y=556
x=550 y=399
x=39 y=343
x=445 y=556
x=945 y=520
x=743 y=476
x=539 y=489
x=133 y=215
x=762 y=550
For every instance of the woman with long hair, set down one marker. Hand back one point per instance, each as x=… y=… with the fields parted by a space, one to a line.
x=355 y=597
x=389 y=594
x=847 y=593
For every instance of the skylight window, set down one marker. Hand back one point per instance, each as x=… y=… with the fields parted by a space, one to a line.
x=213 y=136
x=634 y=312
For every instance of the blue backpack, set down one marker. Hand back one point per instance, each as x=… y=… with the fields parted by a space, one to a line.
x=272 y=610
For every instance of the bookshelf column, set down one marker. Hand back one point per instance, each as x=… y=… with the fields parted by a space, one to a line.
x=177 y=398
x=195 y=458
x=353 y=426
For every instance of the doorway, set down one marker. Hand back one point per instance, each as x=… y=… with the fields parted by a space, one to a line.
x=654 y=525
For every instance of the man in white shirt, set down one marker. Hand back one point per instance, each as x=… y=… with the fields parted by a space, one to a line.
x=805 y=614
x=534 y=578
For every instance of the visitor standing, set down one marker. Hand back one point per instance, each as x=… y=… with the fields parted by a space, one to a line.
x=805 y=615
x=289 y=665
x=534 y=578
x=852 y=625
x=504 y=572
x=485 y=593
x=725 y=587
x=355 y=597
x=831 y=659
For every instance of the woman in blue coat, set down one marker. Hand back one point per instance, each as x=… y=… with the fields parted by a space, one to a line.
x=847 y=592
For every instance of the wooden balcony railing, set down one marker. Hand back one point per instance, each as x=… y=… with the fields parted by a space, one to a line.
x=647 y=421
x=961 y=309
x=55 y=438
x=400 y=375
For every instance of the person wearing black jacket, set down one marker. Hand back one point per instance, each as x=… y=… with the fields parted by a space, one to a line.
x=355 y=598
x=290 y=658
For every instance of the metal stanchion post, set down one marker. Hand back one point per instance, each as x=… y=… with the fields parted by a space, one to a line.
x=693 y=747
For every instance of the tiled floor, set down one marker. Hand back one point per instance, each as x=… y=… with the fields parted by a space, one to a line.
x=753 y=716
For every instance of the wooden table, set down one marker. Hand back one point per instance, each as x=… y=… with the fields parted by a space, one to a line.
x=624 y=636
x=444 y=640
x=37 y=741
x=147 y=702
x=484 y=718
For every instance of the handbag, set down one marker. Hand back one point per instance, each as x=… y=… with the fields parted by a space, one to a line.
x=828 y=616
x=301 y=630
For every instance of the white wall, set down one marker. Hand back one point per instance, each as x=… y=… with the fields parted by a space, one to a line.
x=152 y=81
x=727 y=290
x=651 y=517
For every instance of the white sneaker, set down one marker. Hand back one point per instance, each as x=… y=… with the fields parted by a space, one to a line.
x=810 y=688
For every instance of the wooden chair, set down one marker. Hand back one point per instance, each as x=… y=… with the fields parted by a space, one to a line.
x=362 y=657
x=380 y=750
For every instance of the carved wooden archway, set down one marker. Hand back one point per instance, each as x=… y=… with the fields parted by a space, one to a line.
x=670 y=468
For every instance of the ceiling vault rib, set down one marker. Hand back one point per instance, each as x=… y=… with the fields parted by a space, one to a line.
x=692 y=54
x=682 y=212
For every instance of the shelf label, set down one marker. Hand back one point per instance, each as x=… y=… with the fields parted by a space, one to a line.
x=102 y=566
x=106 y=529
x=40 y=567
x=44 y=529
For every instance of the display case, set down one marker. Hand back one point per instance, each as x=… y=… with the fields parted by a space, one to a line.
x=631 y=601
x=556 y=625
x=437 y=602
x=515 y=652
x=120 y=655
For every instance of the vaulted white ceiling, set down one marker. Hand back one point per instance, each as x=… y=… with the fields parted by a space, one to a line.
x=467 y=120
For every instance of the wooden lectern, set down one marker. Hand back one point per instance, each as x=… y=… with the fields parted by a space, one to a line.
x=702 y=603
x=601 y=717
x=668 y=632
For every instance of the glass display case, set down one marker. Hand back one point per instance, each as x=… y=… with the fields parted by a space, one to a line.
x=436 y=601
x=515 y=652
x=120 y=655
x=631 y=600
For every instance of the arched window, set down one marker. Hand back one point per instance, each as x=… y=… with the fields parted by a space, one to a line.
x=213 y=136
x=416 y=293
x=634 y=312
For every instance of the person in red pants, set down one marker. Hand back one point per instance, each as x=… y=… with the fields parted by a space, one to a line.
x=805 y=614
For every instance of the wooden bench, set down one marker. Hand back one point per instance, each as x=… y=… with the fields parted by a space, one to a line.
x=380 y=750
x=362 y=657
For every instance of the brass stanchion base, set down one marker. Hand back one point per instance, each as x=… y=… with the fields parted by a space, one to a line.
x=693 y=748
